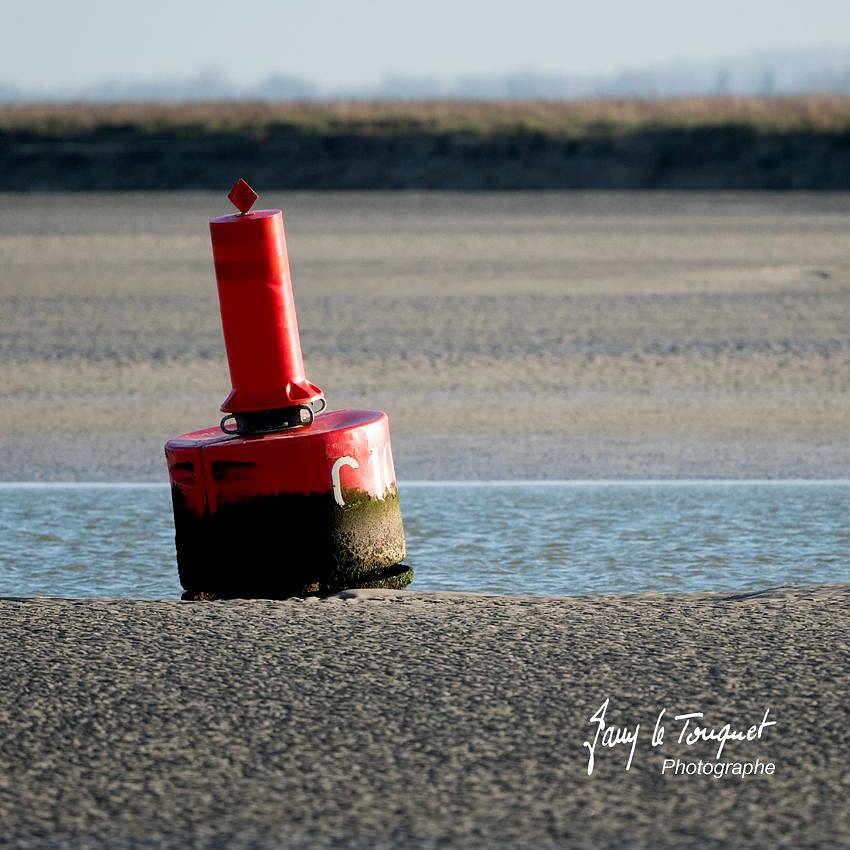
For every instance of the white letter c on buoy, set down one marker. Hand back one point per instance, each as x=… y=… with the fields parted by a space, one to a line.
x=339 y=463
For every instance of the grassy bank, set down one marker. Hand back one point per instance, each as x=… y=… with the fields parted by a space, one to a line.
x=775 y=143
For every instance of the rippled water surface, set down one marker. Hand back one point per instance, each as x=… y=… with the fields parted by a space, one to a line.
x=515 y=537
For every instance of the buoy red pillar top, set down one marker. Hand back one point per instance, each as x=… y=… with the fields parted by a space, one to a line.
x=258 y=310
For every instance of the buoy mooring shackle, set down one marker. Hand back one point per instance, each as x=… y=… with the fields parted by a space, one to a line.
x=283 y=497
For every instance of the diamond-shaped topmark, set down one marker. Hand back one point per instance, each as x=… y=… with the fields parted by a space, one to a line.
x=242 y=196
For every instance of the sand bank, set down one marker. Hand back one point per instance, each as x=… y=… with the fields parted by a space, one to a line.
x=508 y=335
x=378 y=719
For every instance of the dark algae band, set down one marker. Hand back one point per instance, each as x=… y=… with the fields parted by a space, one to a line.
x=290 y=544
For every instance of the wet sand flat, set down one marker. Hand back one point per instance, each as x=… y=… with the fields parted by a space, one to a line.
x=390 y=719
x=508 y=335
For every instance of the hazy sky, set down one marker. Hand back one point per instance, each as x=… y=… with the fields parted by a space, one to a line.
x=49 y=43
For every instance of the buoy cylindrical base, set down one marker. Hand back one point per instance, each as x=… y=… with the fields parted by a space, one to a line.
x=313 y=510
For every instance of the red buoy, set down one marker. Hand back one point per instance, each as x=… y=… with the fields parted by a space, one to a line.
x=281 y=499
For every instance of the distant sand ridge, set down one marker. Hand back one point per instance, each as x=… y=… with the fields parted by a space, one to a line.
x=507 y=335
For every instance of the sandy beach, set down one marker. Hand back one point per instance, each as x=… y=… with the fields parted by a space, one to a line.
x=549 y=335
x=508 y=335
x=396 y=719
